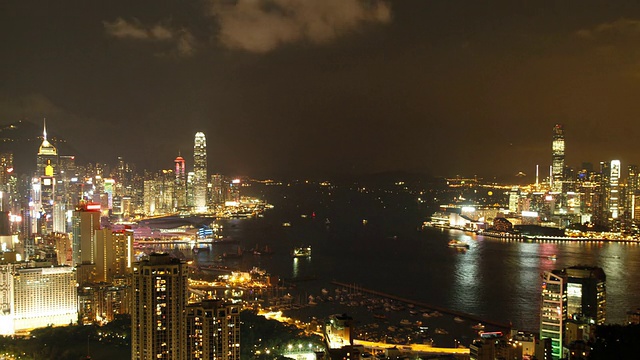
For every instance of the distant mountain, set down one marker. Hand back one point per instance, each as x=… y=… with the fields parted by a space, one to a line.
x=23 y=138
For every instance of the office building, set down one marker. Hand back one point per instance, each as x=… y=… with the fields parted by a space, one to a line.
x=586 y=294
x=557 y=161
x=158 y=309
x=47 y=160
x=85 y=222
x=180 y=192
x=574 y=295
x=213 y=330
x=114 y=253
x=614 y=195
x=200 y=172
x=553 y=312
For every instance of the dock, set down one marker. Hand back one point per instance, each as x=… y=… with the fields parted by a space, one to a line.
x=498 y=325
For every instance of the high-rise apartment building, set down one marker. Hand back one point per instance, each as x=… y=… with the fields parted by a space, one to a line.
x=213 y=331
x=200 y=172
x=158 y=309
x=557 y=164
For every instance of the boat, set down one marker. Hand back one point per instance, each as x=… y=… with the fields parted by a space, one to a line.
x=458 y=319
x=303 y=251
x=478 y=326
x=440 y=331
x=379 y=316
x=267 y=250
x=286 y=224
x=405 y=322
x=458 y=244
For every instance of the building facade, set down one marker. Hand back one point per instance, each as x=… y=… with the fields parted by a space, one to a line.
x=213 y=331
x=159 y=302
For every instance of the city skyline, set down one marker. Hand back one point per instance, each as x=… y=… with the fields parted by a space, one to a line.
x=387 y=85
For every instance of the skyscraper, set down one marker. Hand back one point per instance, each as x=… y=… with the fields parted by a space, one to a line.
x=577 y=294
x=47 y=156
x=158 y=310
x=181 y=183
x=614 y=195
x=557 y=161
x=85 y=223
x=200 y=170
x=586 y=294
x=553 y=312
x=44 y=198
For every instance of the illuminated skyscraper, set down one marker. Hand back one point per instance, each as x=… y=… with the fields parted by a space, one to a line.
x=47 y=156
x=614 y=195
x=200 y=170
x=181 y=183
x=158 y=309
x=553 y=312
x=557 y=164
x=85 y=223
x=586 y=294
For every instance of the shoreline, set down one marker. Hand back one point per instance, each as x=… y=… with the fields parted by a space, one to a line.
x=536 y=238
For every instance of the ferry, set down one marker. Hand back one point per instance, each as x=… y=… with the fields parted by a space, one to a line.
x=304 y=251
x=458 y=244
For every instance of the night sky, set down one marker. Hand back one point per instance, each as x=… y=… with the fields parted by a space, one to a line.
x=326 y=87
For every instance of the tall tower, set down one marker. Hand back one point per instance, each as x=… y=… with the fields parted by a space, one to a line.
x=557 y=161
x=47 y=169
x=158 y=318
x=614 y=195
x=200 y=170
x=85 y=223
x=47 y=156
x=181 y=183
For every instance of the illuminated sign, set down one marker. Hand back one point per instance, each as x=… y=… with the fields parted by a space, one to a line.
x=530 y=214
x=93 y=207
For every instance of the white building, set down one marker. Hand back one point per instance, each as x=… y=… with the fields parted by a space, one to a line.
x=36 y=297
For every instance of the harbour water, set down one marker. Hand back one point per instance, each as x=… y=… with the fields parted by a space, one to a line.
x=389 y=252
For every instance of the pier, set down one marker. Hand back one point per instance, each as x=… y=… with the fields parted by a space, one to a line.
x=498 y=325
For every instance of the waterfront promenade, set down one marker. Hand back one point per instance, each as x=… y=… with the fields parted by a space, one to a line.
x=495 y=324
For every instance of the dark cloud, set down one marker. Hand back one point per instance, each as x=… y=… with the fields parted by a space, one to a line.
x=263 y=25
x=328 y=86
x=182 y=39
